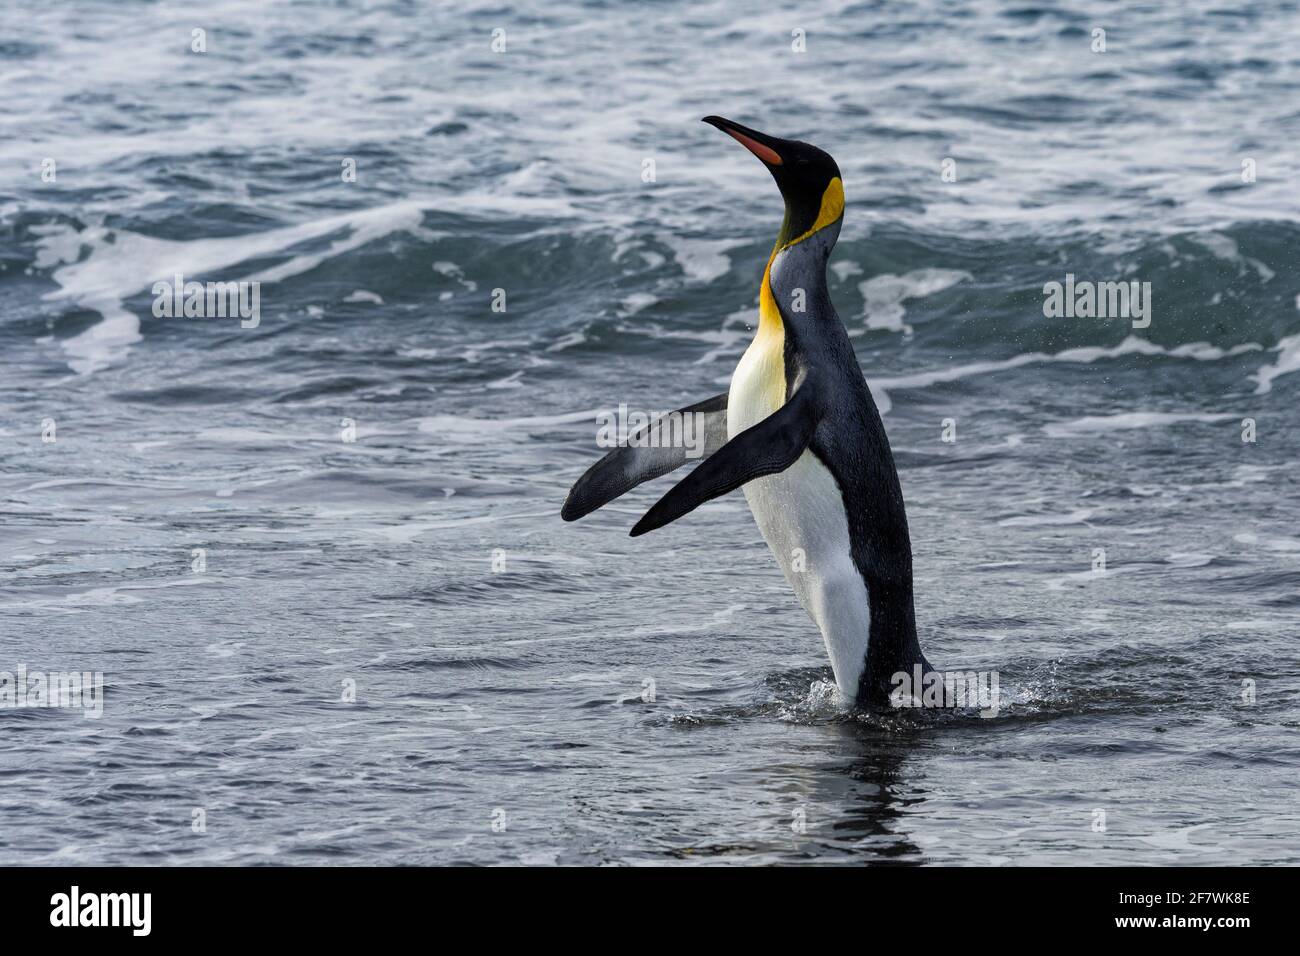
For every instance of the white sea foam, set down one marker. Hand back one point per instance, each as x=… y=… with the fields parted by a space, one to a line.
x=1086 y=355
x=845 y=269
x=1079 y=516
x=491 y=429
x=1225 y=248
x=732 y=337
x=634 y=303
x=567 y=341
x=884 y=295
x=453 y=271
x=1270 y=543
x=122 y=263
x=1091 y=424
x=702 y=260
x=1288 y=361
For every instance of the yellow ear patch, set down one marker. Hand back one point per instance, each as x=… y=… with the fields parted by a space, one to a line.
x=832 y=209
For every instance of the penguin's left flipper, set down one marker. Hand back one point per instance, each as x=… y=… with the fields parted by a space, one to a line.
x=771 y=446
x=646 y=455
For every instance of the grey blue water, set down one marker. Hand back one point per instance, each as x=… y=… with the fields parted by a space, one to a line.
x=318 y=557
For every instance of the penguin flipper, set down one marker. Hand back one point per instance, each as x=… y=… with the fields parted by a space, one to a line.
x=629 y=465
x=771 y=446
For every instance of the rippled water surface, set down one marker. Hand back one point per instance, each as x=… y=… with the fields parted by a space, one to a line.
x=501 y=658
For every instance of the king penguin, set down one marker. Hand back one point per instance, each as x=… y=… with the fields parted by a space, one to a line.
x=799 y=432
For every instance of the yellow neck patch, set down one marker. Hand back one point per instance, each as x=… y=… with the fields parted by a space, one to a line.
x=832 y=209
x=769 y=316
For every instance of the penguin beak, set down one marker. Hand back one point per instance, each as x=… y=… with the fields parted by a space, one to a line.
x=760 y=144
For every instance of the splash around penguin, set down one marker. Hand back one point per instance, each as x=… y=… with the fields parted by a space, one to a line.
x=799 y=432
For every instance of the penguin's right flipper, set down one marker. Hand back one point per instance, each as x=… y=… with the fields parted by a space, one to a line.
x=771 y=446
x=628 y=465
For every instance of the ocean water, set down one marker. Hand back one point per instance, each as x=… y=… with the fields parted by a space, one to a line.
x=392 y=650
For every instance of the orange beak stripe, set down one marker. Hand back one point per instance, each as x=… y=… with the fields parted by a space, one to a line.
x=764 y=153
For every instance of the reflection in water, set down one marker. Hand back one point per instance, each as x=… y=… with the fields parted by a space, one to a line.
x=874 y=819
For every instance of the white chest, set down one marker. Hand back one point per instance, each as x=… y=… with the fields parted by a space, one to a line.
x=800 y=513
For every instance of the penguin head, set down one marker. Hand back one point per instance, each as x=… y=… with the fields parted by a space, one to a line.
x=808 y=178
